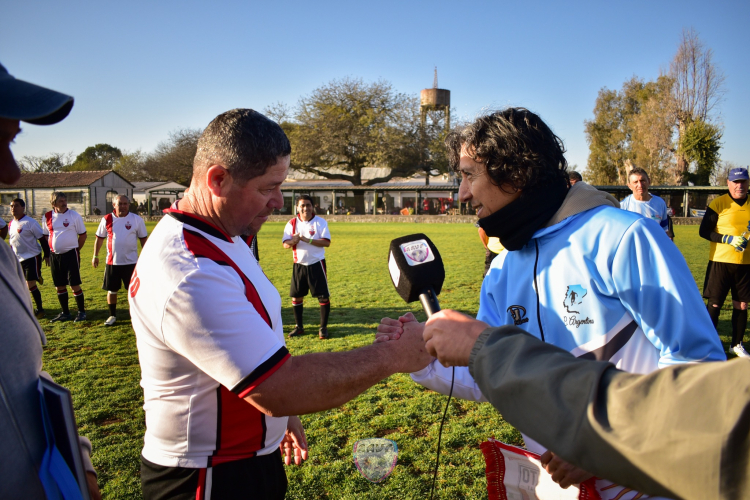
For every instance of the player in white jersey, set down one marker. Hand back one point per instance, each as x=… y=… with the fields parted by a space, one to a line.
x=67 y=234
x=307 y=236
x=221 y=391
x=121 y=229
x=25 y=238
x=642 y=202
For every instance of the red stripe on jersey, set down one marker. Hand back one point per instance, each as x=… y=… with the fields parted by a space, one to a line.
x=48 y=221
x=198 y=222
x=241 y=428
x=269 y=371
x=294 y=228
x=200 y=246
x=110 y=236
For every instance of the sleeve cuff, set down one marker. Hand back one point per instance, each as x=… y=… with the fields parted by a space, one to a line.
x=478 y=347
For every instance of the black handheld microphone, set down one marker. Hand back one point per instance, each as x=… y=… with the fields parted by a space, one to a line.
x=417 y=270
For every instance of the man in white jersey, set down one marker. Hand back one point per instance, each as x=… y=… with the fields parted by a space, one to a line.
x=25 y=236
x=642 y=202
x=67 y=234
x=307 y=236
x=221 y=391
x=121 y=230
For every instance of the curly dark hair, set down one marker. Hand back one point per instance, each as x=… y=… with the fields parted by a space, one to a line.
x=517 y=147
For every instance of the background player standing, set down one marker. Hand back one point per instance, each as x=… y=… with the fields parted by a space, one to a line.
x=307 y=235
x=642 y=202
x=121 y=229
x=67 y=235
x=728 y=268
x=24 y=233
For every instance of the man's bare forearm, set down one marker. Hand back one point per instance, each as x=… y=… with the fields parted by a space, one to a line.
x=98 y=245
x=321 y=381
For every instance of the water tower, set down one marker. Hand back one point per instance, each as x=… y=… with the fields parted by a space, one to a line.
x=436 y=99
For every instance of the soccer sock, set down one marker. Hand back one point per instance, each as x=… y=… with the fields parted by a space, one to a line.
x=113 y=309
x=37 y=297
x=714 y=312
x=297 y=308
x=325 y=308
x=739 y=324
x=63 y=298
x=79 y=300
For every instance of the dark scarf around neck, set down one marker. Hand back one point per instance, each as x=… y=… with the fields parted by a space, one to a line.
x=516 y=223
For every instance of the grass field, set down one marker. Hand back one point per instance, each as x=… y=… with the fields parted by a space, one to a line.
x=100 y=366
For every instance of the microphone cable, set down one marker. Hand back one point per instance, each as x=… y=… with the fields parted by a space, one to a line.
x=440 y=434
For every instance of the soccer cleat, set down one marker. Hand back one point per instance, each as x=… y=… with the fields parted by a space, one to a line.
x=110 y=321
x=740 y=351
x=39 y=313
x=297 y=332
x=61 y=317
x=81 y=316
x=323 y=333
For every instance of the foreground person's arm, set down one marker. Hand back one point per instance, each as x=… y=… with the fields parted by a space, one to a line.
x=679 y=432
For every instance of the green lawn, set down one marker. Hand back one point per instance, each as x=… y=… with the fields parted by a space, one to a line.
x=100 y=366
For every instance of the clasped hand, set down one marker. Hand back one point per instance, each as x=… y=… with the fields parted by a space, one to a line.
x=448 y=335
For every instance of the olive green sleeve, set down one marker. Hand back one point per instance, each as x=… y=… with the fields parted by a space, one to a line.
x=679 y=432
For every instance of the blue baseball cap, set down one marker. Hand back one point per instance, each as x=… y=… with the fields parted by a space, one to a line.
x=20 y=100
x=738 y=174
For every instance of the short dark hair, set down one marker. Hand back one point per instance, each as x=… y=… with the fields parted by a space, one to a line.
x=19 y=201
x=575 y=176
x=243 y=141
x=304 y=197
x=516 y=146
x=638 y=171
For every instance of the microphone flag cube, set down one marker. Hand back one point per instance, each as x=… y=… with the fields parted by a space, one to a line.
x=415 y=266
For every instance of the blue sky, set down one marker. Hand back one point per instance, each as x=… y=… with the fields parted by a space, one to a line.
x=139 y=70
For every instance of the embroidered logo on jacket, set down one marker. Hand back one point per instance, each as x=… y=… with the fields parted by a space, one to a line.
x=519 y=315
x=573 y=297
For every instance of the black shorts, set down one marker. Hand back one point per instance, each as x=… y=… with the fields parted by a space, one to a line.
x=312 y=278
x=256 y=477
x=116 y=275
x=32 y=268
x=66 y=268
x=721 y=278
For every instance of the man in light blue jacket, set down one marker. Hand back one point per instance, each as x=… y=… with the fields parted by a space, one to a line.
x=601 y=283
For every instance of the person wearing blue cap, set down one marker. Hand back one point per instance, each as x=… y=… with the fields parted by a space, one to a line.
x=726 y=225
x=30 y=466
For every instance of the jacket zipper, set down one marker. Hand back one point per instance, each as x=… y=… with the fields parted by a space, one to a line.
x=536 y=289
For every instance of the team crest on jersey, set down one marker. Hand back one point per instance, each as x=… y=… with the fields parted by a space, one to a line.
x=66 y=223
x=128 y=226
x=19 y=229
x=519 y=315
x=312 y=233
x=574 y=297
x=417 y=252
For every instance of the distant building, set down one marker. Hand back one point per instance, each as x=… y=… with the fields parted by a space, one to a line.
x=86 y=191
x=161 y=193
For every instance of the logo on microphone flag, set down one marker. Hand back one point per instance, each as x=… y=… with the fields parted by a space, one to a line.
x=375 y=458
x=417 y=252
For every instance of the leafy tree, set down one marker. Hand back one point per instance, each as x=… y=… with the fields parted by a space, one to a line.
x=172 y=159
x=99 y=157
x=348 y=125
x=720 y=175
x=700 y=145
x=631 y=127
x=131 y=166
x=55 y=162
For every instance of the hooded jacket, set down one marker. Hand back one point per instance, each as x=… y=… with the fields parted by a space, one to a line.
x=601 y=283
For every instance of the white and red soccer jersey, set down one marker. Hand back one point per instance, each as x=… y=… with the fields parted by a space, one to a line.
x=208 y=330
x=317 y=229
x=63 y=230
x=122 y=235
x=23 y=235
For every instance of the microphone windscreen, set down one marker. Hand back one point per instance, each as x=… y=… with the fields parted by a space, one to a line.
x=415 y=265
